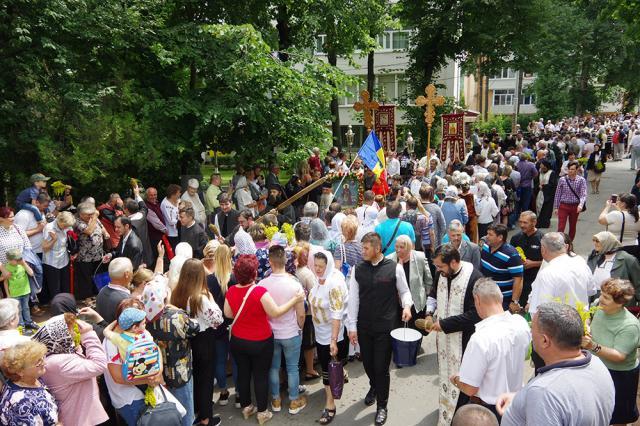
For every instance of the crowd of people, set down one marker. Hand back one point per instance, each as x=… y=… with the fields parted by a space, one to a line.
x=153 y=300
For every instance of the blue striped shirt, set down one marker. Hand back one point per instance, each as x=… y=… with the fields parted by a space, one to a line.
x=502 y=266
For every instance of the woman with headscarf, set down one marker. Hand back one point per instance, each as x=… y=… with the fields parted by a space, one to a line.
x=486 y=208
x=71 y=374
x=244 y=243
x=172 y=329
x=328 y=301
x=182 y=253
x=25 y=400
x=608 y=261
x=243 y=196
x=319 y=233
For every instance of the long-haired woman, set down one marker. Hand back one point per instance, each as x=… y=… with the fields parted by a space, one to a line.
x=192 y=295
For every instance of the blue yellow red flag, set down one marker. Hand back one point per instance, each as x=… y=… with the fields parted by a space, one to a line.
x=372 y=154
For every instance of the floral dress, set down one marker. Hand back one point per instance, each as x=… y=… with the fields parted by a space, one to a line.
x=27 y=406
x=89 y=246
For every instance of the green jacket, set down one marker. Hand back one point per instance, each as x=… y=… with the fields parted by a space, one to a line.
x=625 y=266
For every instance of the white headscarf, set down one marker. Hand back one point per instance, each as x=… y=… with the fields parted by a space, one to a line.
x=244 y=243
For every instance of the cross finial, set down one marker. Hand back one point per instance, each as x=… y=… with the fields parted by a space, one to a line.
x=366 y=106
x=431 y=101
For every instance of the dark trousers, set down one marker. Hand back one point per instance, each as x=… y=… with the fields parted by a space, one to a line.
x=253 y=359
x=324 y=356
x=375 y=349
x=525 y=199
x=204 y=350
x=57 y=280
x=84 y=286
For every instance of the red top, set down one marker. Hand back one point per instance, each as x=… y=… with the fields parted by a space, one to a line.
x=253 y=323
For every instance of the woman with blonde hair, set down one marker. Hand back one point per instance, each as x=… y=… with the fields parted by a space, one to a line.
x=25 y=400
x=143 y=276
x=192 y=295
x=219 y=280
x=55 y=254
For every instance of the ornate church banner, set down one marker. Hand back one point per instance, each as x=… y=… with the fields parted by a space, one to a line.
x=452 y=146
x=385 y=126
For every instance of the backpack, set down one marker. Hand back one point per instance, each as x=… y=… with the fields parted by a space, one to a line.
x=142 y=359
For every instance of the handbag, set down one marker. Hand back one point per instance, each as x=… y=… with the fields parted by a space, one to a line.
x=336 y=378
x=163 y=414
x=584 y=206
x=246 y=296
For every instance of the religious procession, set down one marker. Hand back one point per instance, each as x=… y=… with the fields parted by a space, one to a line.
x=363 y=212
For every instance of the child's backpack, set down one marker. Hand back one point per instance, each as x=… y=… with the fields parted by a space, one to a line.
x=142 y=359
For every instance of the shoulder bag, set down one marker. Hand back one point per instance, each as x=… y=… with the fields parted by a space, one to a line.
x=584 y=206
x=622 y=229
x=393 y=236
x=246 y=296
x=162 y=414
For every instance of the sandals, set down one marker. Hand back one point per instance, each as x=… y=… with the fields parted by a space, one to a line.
x=249 y=411
x=308 y=377
x=327 y=416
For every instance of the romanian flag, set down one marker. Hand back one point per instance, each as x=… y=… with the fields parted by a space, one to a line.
x=372 y=154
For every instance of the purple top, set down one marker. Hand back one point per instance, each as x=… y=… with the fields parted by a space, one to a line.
x=528 y=172
x=564 y=193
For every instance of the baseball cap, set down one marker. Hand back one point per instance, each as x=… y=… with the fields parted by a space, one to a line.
x=130 y=316
x=193 y=183
x=37 y=177
x=14 y=254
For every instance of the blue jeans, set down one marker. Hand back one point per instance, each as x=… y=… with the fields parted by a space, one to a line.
x=184 y=394
x=25 y=313
x=131 y=412
x=291 y=349
x=33 y=209
x=222 y=354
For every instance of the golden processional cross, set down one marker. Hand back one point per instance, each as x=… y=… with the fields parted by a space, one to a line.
x=430 y=101
x=367 y=107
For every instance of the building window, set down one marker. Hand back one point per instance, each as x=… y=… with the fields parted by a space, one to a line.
x=527 y=99
x=384 y=40
x=401 y=40
x=504 y=73
x=503 y=96
x=386 y=87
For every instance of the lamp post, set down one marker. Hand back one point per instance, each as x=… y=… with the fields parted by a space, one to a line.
x=410 y=144
x=350 y=135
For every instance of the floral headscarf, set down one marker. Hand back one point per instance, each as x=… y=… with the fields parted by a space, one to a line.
x=55 y=335
x=154 y=296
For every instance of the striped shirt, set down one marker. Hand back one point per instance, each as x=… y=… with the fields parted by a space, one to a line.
x=502 y=266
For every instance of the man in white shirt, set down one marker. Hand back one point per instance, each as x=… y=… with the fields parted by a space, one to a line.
x=286 y=331
x=169 y=208
x=634 y=148
x=417 y=181
x=377 y=282
x=566 y=278
x=393 y=165
x=25 y=220
x=493 y=363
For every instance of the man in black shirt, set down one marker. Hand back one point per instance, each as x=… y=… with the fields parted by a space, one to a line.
x=528 y=239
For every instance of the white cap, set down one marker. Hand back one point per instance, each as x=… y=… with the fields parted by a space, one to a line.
x=193 y=183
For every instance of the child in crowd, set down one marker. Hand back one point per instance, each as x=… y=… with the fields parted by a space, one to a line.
x=132 y=322
x=17 y=285
x=27 y=198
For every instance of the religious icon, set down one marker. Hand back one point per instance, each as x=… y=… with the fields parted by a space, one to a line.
x=453 y=128
x=347 y=192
